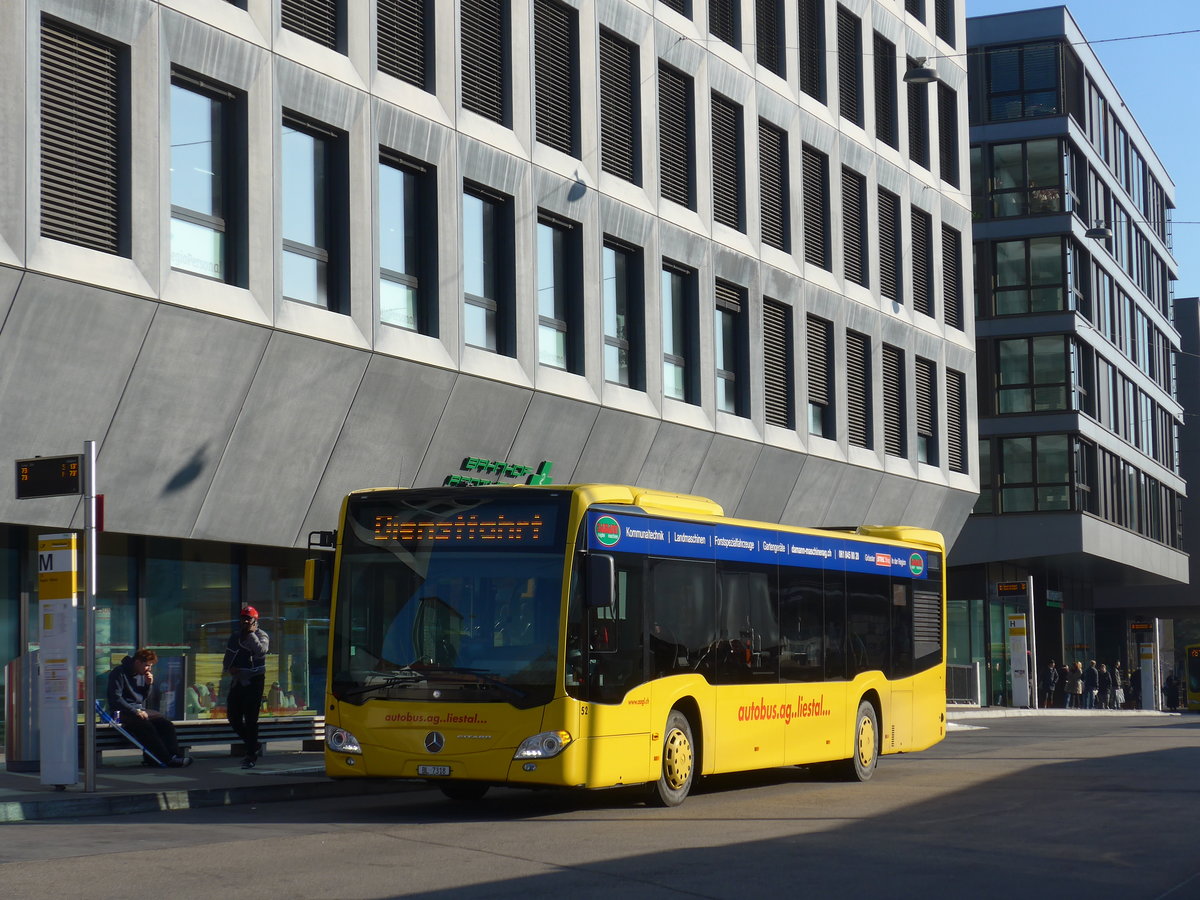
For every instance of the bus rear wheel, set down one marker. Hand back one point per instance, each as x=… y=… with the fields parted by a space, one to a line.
x=861 y=766
x=464 y=791
x=678 y=762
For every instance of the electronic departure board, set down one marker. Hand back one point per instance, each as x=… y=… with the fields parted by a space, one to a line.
x=48 y=476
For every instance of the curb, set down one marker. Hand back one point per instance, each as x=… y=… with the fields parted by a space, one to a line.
x=992 y=712
x=198 y=798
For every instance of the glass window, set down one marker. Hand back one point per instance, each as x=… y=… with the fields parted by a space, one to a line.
x=198 y=183
x=306 y=230
x=1029 y=276
x=480 y=273
x=676 y=334
x=551 y=294
x=727 y=347
x=400 y=234
x=621 y=340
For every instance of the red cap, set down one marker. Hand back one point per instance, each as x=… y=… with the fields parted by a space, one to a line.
x=249 y=611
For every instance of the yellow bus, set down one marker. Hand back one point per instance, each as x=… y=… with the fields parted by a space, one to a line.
x=1192 y=676
x=593 y=636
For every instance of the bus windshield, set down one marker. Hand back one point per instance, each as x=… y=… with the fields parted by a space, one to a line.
x=446 y=596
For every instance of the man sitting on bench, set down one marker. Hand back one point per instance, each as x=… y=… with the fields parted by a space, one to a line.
x=128 y=690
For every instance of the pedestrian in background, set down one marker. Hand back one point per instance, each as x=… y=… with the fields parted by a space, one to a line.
x=246 y=663
x=1049 y=683
x=1075 y=686
x=1118 y=678
x=1104 y=689
x=1091 y=684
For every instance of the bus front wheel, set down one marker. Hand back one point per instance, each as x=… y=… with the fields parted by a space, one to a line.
x=678 y=762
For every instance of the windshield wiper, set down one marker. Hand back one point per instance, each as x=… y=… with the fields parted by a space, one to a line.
x=405 y=676
x=481 y=675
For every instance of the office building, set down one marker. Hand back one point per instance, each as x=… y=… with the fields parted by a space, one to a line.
x=1080 y=483
x=266 y=252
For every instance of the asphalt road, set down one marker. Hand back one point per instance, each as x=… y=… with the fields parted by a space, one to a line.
x=1058 y=807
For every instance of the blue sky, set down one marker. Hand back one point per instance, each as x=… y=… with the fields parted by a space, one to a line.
x=1159 y=80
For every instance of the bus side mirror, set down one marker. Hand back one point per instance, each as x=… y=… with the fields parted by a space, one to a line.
x=316 y=579
x=601 y=581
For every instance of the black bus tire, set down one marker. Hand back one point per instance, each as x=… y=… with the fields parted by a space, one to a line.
x=678 y=770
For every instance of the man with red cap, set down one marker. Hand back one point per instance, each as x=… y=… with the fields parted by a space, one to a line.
x=246 y=663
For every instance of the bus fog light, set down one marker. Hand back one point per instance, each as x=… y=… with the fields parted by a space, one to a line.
x=543 y=746
x=341 y=741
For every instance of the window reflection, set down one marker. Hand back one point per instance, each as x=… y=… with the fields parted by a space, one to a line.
x=197 y=183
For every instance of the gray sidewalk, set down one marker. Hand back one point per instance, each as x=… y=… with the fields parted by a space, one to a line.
x=124 y=786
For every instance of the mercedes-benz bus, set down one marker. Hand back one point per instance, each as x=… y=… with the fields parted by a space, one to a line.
x=594 y=636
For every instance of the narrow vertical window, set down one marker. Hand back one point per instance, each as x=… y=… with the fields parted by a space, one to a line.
x=406 y=244
x=683 y=7
x=926 y=397
x=956 y=420
x=816 y=207
x=768 y=27
x=811 y=15
x=915 y=8
x=892 y=359
x=619 y=116
x=891 y=254
x=850 y=58
x=729 y=348
x=858 y=389
x=679 y=332
x=676 y=158
x=315 y=188
x=777 y=364
x=887 y=128
x=487 y=235
x=483 y=25
x=854 y=226
x=947 y=134
x=403 y=48
x=83 y=140
x=918 y=120
x=773 y=185
x=943 y=20
x=922 y=258
x=204 y=186
x=559 y=287
x=723 y=20
x=820 y=377
x=728 y=164
x=556 y=75
x=952 y=286
x=622 y=296
x=322 y=21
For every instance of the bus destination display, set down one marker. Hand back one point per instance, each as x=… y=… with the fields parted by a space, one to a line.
x=465 y=528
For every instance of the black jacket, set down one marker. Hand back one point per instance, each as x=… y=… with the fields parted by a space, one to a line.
x=124 y=692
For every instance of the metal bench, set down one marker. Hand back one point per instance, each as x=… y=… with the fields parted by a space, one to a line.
x=192 y=732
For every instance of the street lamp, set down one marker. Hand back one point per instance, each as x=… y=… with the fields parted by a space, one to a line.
x=920 y=73
x=1099 y=232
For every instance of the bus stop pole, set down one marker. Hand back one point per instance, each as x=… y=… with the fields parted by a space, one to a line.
x=1034 y=671
x=89 y=617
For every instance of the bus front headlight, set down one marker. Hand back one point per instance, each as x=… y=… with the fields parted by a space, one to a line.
x=543 y=746
x=341 y=741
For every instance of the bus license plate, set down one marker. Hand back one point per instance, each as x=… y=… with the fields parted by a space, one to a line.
x=433 y=770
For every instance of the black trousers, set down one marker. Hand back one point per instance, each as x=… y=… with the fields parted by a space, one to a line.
x=242 y=707
x=156 y=733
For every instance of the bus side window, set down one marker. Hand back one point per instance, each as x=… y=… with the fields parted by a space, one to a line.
x=802 y=625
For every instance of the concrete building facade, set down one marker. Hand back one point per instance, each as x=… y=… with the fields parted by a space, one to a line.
x=266 y=252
